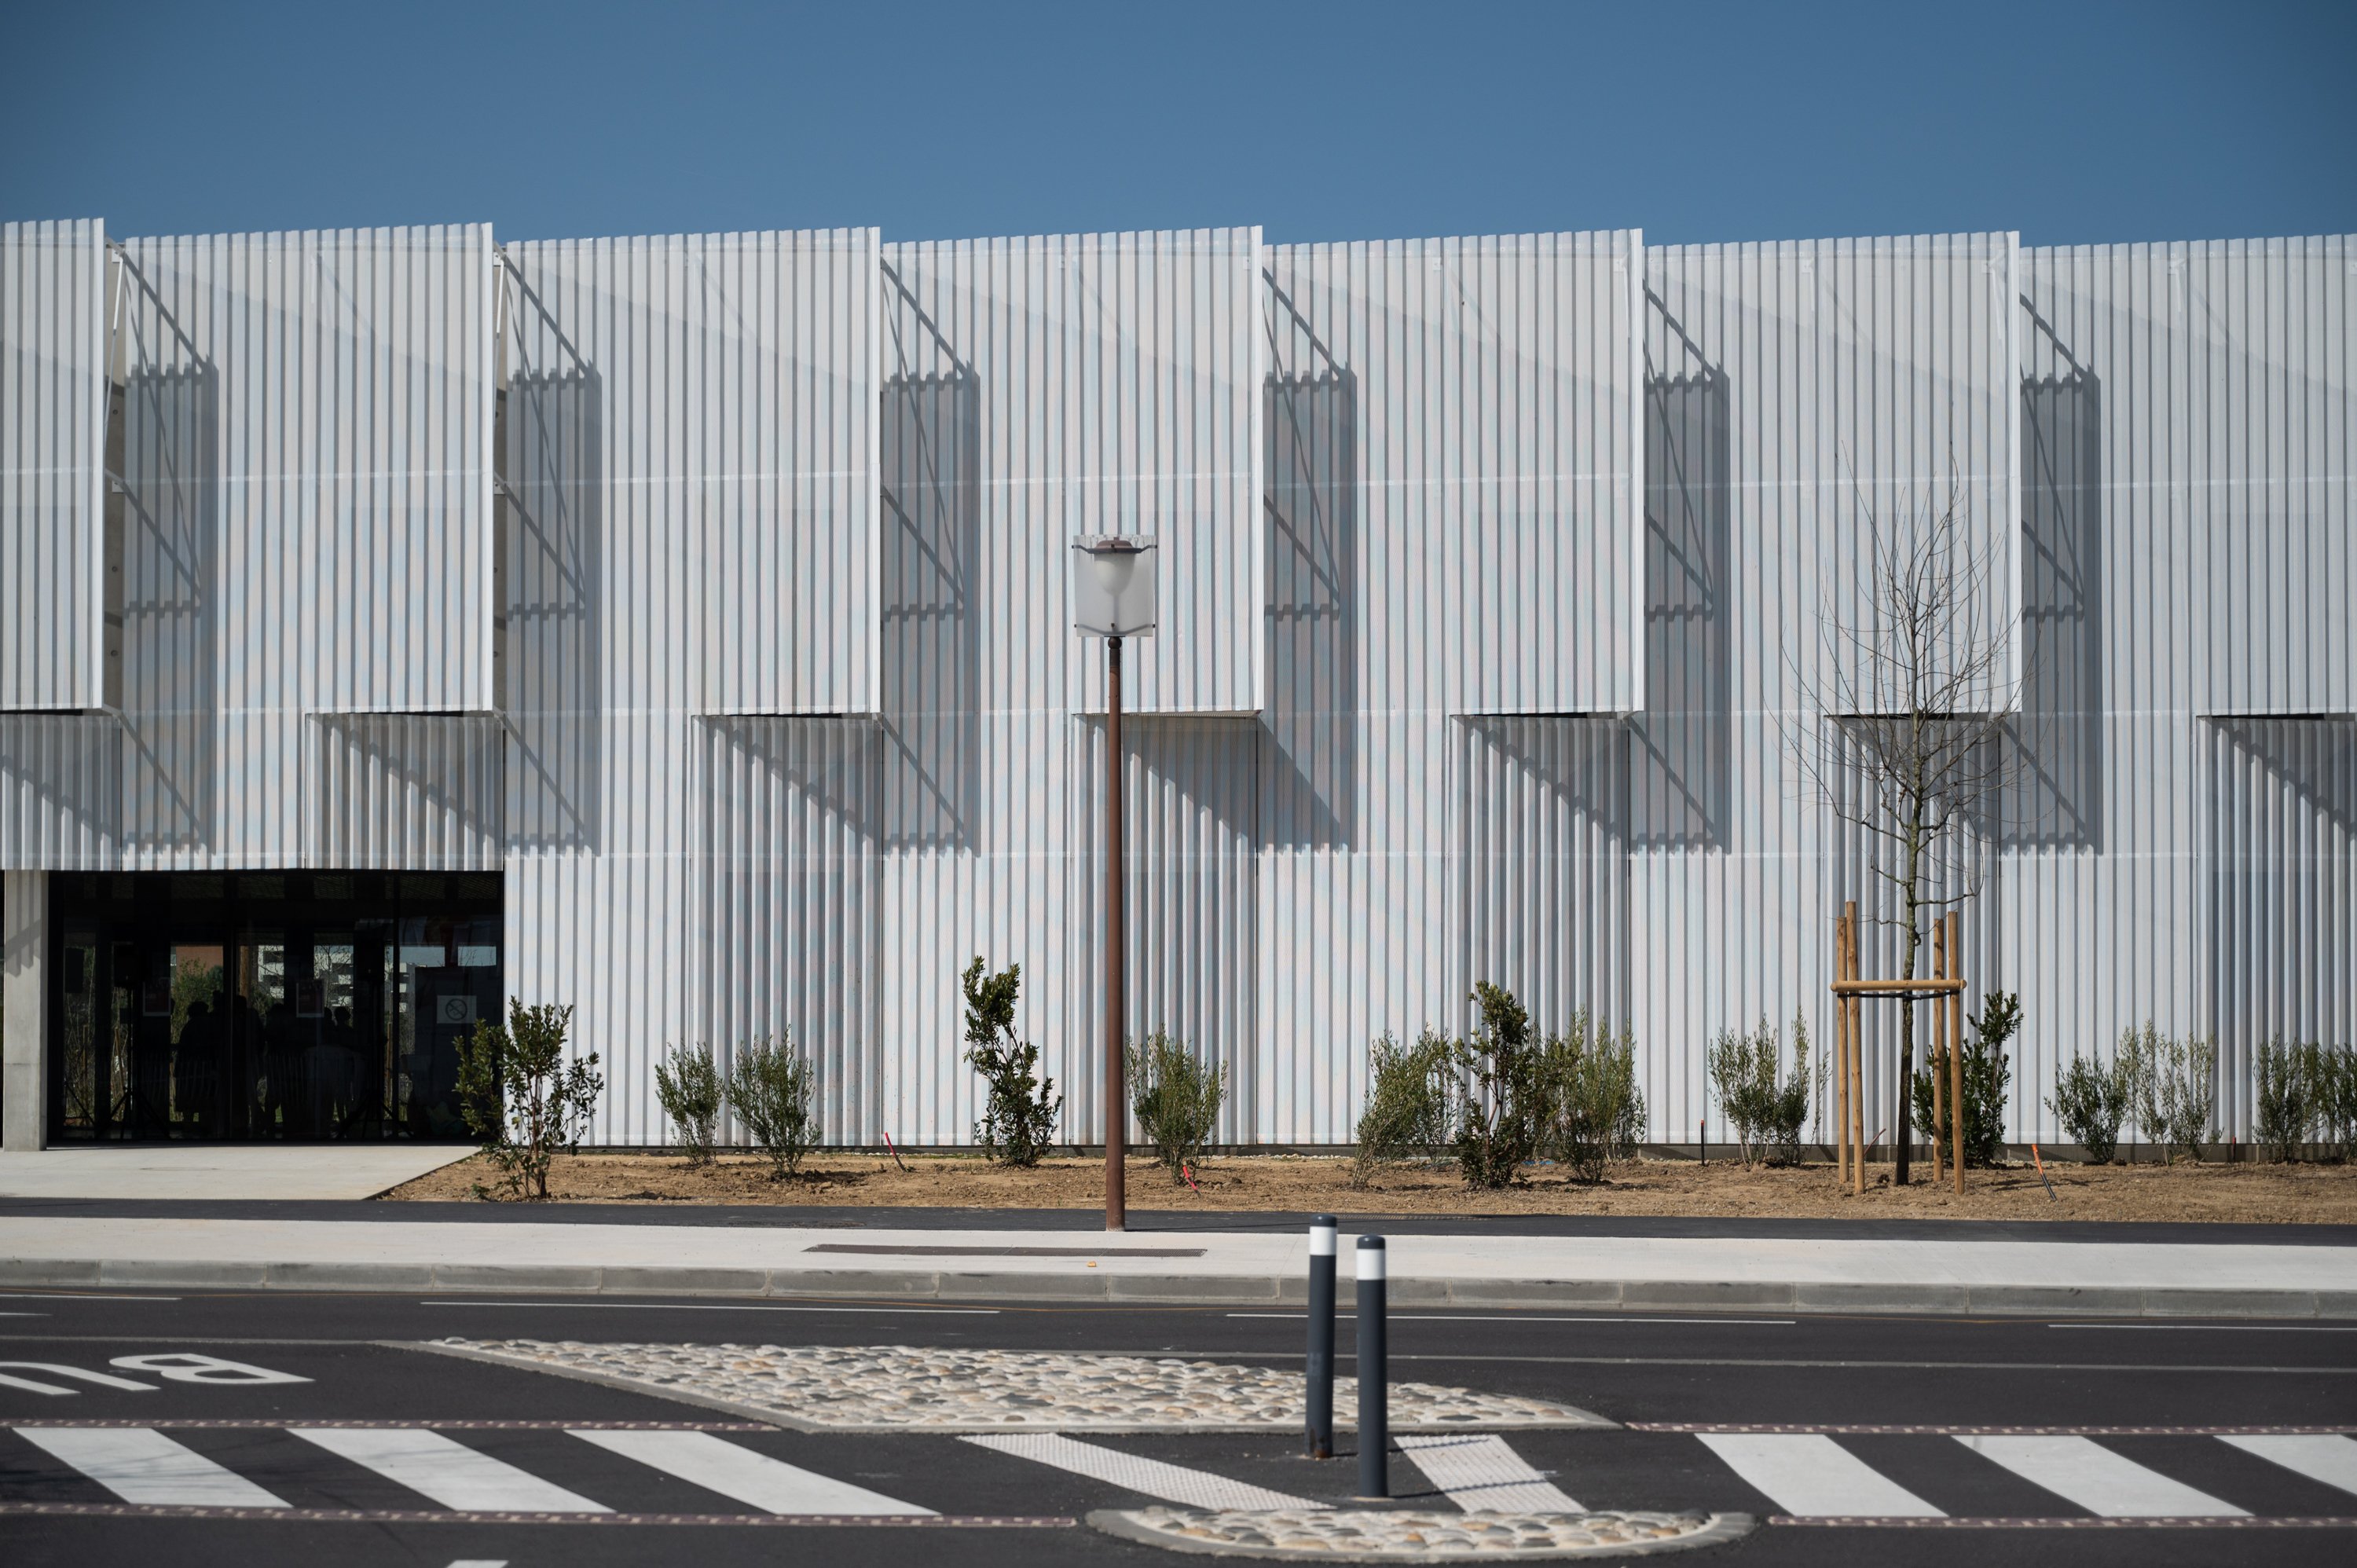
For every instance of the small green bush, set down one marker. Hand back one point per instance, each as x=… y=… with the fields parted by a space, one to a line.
x=770 y=1089
x=2336 y=1099
x=1407 y=1104
x=1765 y=1106
x=1498 y=1109
x=1018 y=1117
x=1592 y=1108
x=1988 y=1078
x=521 y=1098
x=2289 y=1105
x=1175 y=1096
x=2091 y=1101
x=2175 y=1088
x=688 y=1083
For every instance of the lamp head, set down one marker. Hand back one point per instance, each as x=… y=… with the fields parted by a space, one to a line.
x=1113 y=584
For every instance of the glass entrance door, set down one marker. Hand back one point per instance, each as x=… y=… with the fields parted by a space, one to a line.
x=268 y=1007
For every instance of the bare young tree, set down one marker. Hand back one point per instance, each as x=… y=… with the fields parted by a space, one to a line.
x=1902 y=724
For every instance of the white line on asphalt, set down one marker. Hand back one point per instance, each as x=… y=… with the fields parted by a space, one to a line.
x=2102 y=1482
x=1812 y=1474
x=77 y=1296
x=479 y=1562
x=451 y=1472
x=23 y=1315
x=707 y=1306
x=140 y=1465
x=1480 y=1473
x=2331 y=1460
x=1151 y=1478
x=2214 y=1327
x=1520 y=1317
x=756 y=1479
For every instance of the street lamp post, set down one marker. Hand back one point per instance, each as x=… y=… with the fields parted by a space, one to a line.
x=1113 y=597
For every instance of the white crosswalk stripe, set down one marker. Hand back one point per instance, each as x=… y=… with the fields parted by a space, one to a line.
x=2320 y=1456
x=1480 y=1473
x=449 y=1472
x=1810 y=1474
x=733 y=1471
x=2102 y=1482
x=140 y=1465
x=1154 y=1478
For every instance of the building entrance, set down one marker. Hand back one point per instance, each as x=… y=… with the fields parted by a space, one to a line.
x=263 y=1006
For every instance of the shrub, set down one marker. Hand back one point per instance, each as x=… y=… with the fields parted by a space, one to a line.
x=1407 y=1104
x=521 y=1098
x=2175 y=1087
x=1591 y=1108
x=2289 y=1105
x=770 y=1089
x=2336 y=1099
x=1019 y=1115
x=1988 y=1077
x=1766 y=1107
x=2091 y=1101
x=1177 y=1098
x=1500 y=1101
x=688 y=1083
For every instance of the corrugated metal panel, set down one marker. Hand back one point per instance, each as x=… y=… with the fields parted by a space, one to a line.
x=1498 y=391
x=1794 y=390
x=53 y=387
x=2188 y=437
x=791 y=900
x=2283 y=868
x=2170 y=427
x=405 y=792
x=60 y=792
x=1453 y=500
x=308 y=420
x=1119 y=382
x=1544 y=824
x=734 y=391
x=691 y=422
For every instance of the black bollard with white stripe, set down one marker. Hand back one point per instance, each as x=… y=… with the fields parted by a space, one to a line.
x=1321 y=1336
x=1374 y=1395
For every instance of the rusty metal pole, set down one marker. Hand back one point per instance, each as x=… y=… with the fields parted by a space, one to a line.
x=1955 y=1044
x=1116 y=953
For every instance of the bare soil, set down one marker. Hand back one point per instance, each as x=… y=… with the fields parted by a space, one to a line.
x=2242 y=1193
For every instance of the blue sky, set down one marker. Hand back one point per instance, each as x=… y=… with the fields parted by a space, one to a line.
x=2070 y=123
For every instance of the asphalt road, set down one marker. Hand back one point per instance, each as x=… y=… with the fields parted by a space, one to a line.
x=1653 y=1374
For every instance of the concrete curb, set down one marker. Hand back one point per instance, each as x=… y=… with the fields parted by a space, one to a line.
x=981 y=1286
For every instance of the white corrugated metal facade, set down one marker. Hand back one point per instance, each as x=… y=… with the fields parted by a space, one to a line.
x=714 y=589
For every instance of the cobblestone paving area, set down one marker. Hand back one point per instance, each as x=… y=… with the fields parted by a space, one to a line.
x=895 y=1388
x=1351 y=1535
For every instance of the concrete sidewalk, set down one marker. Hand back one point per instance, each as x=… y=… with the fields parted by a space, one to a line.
x=1225 y=1268
x=185 y=1172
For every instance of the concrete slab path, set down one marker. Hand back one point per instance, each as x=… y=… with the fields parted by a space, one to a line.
x=2134 y=1278
x=220 y=1171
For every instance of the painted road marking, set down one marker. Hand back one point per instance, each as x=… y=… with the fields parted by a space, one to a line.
x=59 y=1369
x=1480 y=1472
x=2212 y=1328
x=2331 y=1460
x=1531 y=1317
x=1152 y=1477
x=2099 y=1480
x=756 y=1479
x=449 y=1472
x=709 y=1306
x=1811 y=1474
x=140 y=1465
